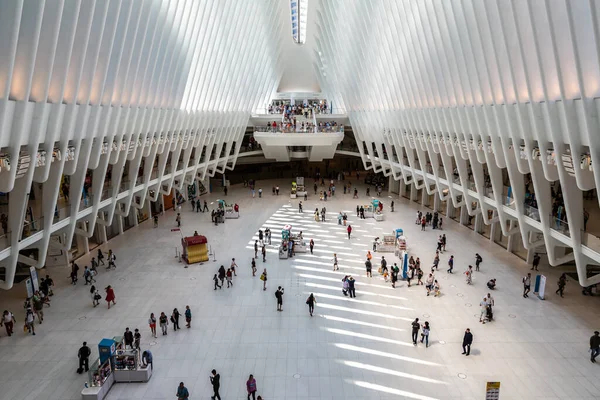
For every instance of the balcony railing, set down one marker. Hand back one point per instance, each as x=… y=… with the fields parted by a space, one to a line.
x=298 y=129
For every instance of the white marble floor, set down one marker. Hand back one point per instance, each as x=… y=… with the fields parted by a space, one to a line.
x=350 y=349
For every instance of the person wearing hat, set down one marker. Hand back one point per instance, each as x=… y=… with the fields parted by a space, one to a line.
x=595 y=346
x=84 y=357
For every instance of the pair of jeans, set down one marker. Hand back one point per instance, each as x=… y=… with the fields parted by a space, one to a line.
x=595 y=353
x=415 y=335
x=352 y=292
x=426 y=339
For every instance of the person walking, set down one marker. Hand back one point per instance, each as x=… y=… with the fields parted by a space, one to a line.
x=233 y=266
x=536 y=262
x=111 y=260
x=152 y=324
x=526 y=285
x=594 y=346
x=311 y=245
x=164 y=322
x=178 y=220
x=251 y=387
x=469 y=274
x=478 y=261
x=175 y=319
x=253 y=265
x=444 y=240
x=8 y=320
x=222 y=274
x=216 y=280
x=84 y=358
x=349 y=229
x=311 y=304
x=392 y=206
x=467 y=341
x=182 y=392
x=450 y=264
x=335 y=262
x=255 y=248
x=264 y=253
x=415 y=330
x=483 y=309
x=198 y=206
x=229 y=278
x=110 y=296
x=263 y=277
x=100 y=257
x=300 y=207
x=425 y=334
x=215 y=380
x=188 y=317
x=562 y=282
x=205 y=208
x=87 y=275
x=279 y=296
x=29 y=318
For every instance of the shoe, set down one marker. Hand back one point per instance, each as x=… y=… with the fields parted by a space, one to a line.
x=464 y=352
x=33 y=333
x=467 y=354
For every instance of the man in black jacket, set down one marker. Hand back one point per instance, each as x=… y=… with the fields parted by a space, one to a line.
x=215 y=380
x=595 y=346
x=84 y=356
x=467 y=341
x=415 y=330
x=128 y=336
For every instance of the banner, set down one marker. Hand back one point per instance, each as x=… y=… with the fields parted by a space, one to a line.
x=542 y=287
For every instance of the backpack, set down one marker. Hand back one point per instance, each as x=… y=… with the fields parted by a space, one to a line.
x=277 y=293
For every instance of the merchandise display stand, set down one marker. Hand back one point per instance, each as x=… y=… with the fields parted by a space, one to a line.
x=300 y=188
x=232 y=211
x=293 y=193
x=387 y=245
x=127 y=367
x=114 y=365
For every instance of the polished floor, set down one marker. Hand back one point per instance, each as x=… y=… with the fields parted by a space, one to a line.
x=350 y=349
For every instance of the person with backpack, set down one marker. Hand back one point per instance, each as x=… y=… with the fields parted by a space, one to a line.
x=100 y=257
x=478 y=261
x=111 y=260
x=8 y=320
x=311 y=304
x=279 y=297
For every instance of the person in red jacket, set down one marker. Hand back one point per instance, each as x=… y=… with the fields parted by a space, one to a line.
x=349 y=230
x=110 y=295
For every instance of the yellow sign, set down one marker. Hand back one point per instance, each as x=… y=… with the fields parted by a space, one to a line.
x=492 y=391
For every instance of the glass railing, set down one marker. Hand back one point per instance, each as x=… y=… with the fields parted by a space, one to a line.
x=590 y=240
x=5 y=240
x=86 y=201
x=559 y=225
x=299 y=129
x=532 y=213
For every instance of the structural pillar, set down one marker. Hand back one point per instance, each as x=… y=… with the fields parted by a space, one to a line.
x=402 y=189
x=436 y=202
x=425 y=198
x=464 y=215
x=478 y=227
x=414 y=192
x=493 y=231
x=511 y=239
x=450 y=209
x=120 y=223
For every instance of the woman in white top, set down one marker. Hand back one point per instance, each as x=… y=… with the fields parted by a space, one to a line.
x=425 y=334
